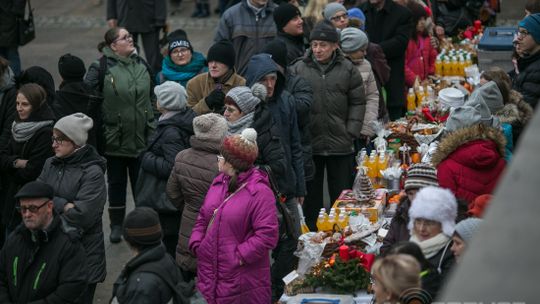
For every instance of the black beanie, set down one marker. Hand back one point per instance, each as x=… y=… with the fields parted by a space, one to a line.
x=179 y=38
x=324 y=30
x=71 y=67
x=222 y=51
x=142 y=228
x=278 y=50
x=285 y=13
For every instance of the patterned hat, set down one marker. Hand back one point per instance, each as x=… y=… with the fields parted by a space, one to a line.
x=241 y=150
x=421 y=175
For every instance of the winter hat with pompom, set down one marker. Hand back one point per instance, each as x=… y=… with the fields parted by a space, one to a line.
x=434 y=204
x=240 y=150
x=246 y=99
x=210 y=127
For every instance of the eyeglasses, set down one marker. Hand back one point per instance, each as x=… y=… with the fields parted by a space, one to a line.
x=57 y=140
x=126 y=38
x=339 y=17
x=31 y=208
x=178 y=52
x=522 y=34
x=425 y=223
x=220 y=158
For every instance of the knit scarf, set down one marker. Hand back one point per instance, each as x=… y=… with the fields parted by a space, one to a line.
x=432 y=246
x=183 y=73
x=167 y=115
x=23 y=131
x=239 y=125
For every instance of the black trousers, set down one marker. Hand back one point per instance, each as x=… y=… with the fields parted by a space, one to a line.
x=87 y=297
x=150 y=42
x=284 y=262
x=118 y=170
x=339 y=169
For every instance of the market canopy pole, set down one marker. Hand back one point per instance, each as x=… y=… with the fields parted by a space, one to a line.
x=501 y=263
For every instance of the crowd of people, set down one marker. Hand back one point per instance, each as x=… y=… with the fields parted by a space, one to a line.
x=225 y=152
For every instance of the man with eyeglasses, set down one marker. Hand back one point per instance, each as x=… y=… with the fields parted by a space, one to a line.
x=40 y=262
x=527 y=80
x=337 y=14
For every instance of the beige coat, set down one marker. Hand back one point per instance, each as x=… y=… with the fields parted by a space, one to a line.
x=372 y=96
x=201 y=85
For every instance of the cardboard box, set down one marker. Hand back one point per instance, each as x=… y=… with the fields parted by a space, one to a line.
x=373 y=212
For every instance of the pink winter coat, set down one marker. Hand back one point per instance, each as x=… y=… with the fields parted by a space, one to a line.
x=419 y=60
x=233 y=262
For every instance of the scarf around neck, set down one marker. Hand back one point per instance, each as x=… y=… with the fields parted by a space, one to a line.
x=239 y=125
x=182 y=74
x=23 y=131
x=432 y=246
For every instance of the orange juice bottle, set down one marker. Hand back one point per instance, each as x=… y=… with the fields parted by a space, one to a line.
x=439 y=66
x=446 y=67
x=321 y=222
x=419 y=96
x=342 y=221
x=411 y=100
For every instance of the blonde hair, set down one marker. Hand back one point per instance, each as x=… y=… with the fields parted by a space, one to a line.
x=314 y=9
x=397 y=274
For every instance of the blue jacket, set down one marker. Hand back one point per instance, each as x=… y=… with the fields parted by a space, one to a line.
x=283 y=109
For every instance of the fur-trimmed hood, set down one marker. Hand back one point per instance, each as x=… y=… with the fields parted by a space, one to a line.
x=525 y=111
x=508 y=114
x=461 y=137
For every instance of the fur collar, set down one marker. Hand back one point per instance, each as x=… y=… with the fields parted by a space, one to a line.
x=508 y=114
x=525 y=110
x=455 y=139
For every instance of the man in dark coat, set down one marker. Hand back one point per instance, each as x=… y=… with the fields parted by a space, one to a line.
x=528 y=42
x=290 y=30
x=40 y=262
x=151 y=276
x=389 y=25
x=141 y=17
x=10 y=10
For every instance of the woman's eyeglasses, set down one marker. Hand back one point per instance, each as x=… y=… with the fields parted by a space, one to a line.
x=178 y=52
x=57 y=140
x=126 y=38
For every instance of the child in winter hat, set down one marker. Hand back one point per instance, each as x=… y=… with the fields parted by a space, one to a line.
x=241 y=150
x=75 y=127
x=171 y=96
x=463 y=235
x=246 y=99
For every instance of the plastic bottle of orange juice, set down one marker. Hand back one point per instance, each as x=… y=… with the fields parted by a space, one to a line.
x=321 y=222
x=447 y=66
x=411 y=100
x=439 y=66
x=420 y=96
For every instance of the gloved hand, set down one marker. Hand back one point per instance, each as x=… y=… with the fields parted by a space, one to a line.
x=215 y=100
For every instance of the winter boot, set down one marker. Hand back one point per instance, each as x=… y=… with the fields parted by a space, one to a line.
x=116 y=215
x=116 y=234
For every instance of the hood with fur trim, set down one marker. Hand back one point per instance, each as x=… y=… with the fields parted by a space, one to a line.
x=525 y=110
x=462 y=137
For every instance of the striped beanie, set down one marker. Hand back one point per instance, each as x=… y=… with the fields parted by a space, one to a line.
x=421 y=175
x=240 y=150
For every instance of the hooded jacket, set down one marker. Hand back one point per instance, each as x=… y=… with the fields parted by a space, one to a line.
x=517 y=112
x=233 y=253
x=193 y=172
x=526 y=82
x=470 y=161
x=339 y=103
x=283 y=108
x=248 y=32
x=41 y=76
x=128 y=117
x=8 y=98
x=43 y=267
x=36 y=150
x=80 y=179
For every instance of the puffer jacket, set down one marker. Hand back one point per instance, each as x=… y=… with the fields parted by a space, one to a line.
x=372 y=96
x=36 y=150
x=80 y=179
x=248 y=32
x=295 y=45
x=233 y=253
x=10 y=10
x=282 y=105
x=193 y=172
x=470 y=161
x=526 y=82
x=202 y=85
x=8 y=98
x=150 y=277
x=339 y=104
x=48 y=267
x=141 y=16
x=419 y=60
x=128 y=117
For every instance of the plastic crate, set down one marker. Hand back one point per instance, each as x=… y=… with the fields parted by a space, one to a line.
x=496 y=47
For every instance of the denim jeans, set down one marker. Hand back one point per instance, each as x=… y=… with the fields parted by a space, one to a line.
x=11 y=53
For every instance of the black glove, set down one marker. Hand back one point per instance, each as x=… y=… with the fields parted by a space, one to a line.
x=215 y=100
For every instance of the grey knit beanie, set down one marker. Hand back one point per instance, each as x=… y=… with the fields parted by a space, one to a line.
x=331 y=9
x=467 y=228
x=171 y=96
x=490 y=94
x=246 y=98
x=353 y=39
x=210 y=126
x=75 y=127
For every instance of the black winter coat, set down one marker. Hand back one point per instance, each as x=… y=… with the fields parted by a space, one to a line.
x=75 y=97
x=443 y=261
x=140 y=16
x=528 y=80
x=295 y=45
x=390 y=28
x=148 y=278
x=398 y=230
x=36 y=150
x=8 y=99
x=9 y=11
x=49 y=270
x=80 y=179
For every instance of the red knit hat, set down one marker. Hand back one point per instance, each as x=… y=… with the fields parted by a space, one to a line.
x=479 y=205
x=240 y=150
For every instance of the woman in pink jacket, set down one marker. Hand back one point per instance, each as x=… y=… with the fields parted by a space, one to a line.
x=236 y=228
x=420 y=55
